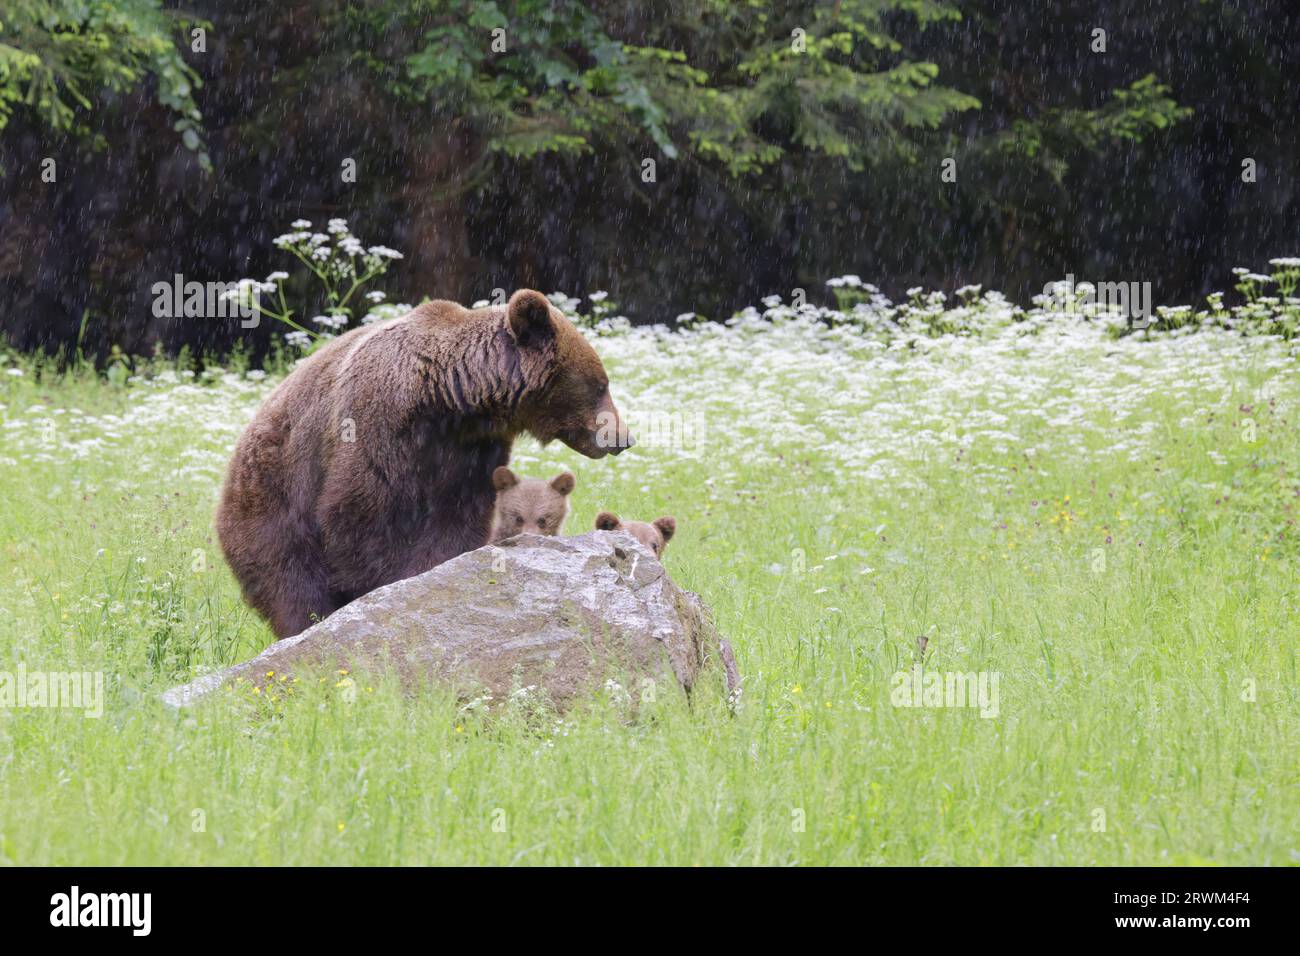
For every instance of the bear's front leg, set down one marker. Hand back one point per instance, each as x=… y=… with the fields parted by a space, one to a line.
x=442 y=541
x=289 y=585
x=300 y=606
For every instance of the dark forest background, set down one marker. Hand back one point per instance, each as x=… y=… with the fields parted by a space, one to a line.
x=791 y=143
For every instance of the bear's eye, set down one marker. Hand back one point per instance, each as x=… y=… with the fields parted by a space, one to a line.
x=519 y=519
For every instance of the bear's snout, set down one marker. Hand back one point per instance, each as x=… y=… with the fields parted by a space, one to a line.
x=606 y=440
x=613 y=439
x=608 y=435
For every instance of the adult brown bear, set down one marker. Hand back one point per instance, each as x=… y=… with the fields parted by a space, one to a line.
x=373 y=460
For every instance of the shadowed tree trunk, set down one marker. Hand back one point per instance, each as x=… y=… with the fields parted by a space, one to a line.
x=443 y=168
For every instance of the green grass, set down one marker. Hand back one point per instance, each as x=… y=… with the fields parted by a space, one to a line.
x=846 y=499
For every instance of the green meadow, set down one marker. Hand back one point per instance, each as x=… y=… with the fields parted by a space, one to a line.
x=1103 y=527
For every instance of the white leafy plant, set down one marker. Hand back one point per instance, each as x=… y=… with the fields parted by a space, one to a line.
x=341 y=263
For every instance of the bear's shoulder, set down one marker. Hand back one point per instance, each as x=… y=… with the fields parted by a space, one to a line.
x=442 y=313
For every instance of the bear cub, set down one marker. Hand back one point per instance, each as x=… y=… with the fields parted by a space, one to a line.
x=529 y=505
x=654 y=536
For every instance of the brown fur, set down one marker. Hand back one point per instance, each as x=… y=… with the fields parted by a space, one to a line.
x=529 y=505
x=654 y=536
x=309 y=520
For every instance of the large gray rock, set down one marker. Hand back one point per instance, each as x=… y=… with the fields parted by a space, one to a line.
x=560 y=614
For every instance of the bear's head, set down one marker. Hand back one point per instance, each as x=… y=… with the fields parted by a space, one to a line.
x=568 y=390
x=529 y=505
x=654 y=536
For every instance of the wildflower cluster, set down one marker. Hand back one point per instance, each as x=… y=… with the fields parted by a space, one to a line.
x=866 y=309
x=863 y=308
x=340 y=263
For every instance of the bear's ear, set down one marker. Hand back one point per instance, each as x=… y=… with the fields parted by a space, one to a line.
x=528 y=316
x=606 y=521
x=504 y=478
x=667 y=526
x=563 y=483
